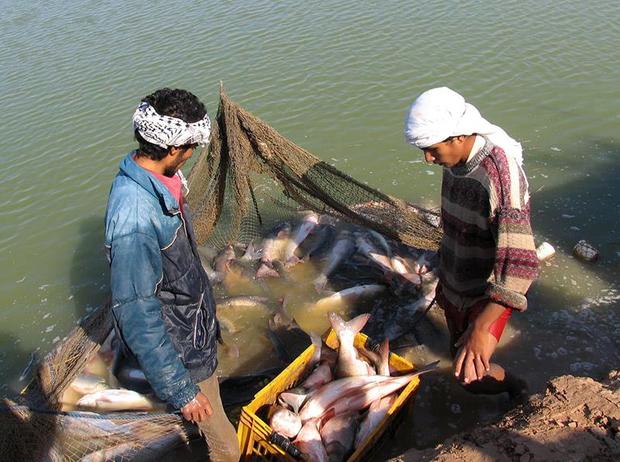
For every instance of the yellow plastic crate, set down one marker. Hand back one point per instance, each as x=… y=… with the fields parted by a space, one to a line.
x=253 y=433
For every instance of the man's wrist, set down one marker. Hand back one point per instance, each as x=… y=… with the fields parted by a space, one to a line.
x=491 y=313
x=482 y=326
x=187 y=394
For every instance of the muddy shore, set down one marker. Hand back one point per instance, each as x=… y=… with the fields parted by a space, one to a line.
x=574 y=419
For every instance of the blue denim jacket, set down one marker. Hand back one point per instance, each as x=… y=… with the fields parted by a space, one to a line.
x=162 y=302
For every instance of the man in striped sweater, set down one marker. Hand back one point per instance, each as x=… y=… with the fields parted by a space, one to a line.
x=487 y=255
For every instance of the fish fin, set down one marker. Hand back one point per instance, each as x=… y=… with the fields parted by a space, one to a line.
x=320 y=282
x=384 y=354
x=318 y=344
x=427 y=368
x=265 y=271
x=294 y=400
x=357 y=323
x=327 y=415
x=292 y=261
x=284 y=316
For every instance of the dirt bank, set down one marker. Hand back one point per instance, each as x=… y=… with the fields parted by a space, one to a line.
x=576 y=418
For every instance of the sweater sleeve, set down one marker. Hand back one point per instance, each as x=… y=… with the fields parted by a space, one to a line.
x=136 y=272
x=516 y=263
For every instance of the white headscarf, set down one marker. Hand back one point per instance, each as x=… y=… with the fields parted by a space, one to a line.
x=440 y=113
x=165 y=131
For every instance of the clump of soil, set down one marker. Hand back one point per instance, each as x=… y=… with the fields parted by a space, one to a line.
x=576 y=418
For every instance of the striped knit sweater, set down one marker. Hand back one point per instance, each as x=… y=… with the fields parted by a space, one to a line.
x=487 y=251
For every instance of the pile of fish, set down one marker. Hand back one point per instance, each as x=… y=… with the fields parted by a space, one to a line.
x=349 y=264
x=344 y=397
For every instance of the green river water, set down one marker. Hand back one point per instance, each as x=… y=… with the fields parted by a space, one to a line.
x=337 y=79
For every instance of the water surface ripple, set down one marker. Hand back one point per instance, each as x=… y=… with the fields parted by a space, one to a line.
x=334 y=77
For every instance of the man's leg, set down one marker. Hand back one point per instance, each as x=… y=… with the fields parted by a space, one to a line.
x=218 y=431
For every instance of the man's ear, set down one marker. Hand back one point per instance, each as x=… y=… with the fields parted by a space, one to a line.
x=460 y=138
x=174 y=151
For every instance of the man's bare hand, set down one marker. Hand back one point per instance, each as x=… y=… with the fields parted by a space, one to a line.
x=473 y=357
x=197 y=409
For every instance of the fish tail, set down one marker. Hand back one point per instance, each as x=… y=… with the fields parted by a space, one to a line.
x=318 y=344
x=357 y=323
x=337 y=322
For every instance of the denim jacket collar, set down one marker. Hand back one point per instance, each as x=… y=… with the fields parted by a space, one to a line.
x=130 y=168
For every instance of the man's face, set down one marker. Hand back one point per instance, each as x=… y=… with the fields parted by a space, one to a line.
x=448 y=153
x=177 y=158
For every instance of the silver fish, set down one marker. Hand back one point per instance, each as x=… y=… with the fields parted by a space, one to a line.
x=309 y=442
x=349 y=362
x=252 y=252
x=310 y=221
x=320 y=401
x=426 y=262
x=376 y=412
x=381 y=359
x=243 y=301
x=400 y=265
x=366 y=395
x=272 y=249
x=322 y=237
x=116 y=400
x=118 y=452
x=284 y=422
x=88 y=383
x=290 y=340
x=349 y=295
x=338 y=435
x=383 y=244
x=368 y=249
x=321 y=375
x=227 y=323
x=343 y=248
x=215 y=277
x=223 y=260
x=407 y=316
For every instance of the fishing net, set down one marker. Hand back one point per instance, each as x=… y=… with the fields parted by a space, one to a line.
x=35 y=429
x=250 y=178
x=56 y=436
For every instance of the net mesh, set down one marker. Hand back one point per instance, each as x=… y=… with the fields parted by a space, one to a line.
x=251 y=178
x=34 y=428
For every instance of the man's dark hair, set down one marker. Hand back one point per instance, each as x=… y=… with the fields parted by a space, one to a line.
x=173 y=103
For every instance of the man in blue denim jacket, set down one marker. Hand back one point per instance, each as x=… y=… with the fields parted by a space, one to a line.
x=162 y=301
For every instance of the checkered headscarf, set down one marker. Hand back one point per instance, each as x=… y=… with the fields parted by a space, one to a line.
x=165 y=131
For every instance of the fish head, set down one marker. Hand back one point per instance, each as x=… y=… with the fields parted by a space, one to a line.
x=229 y=251
x=284 y=421
x=283 y=231
x=312 y=217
